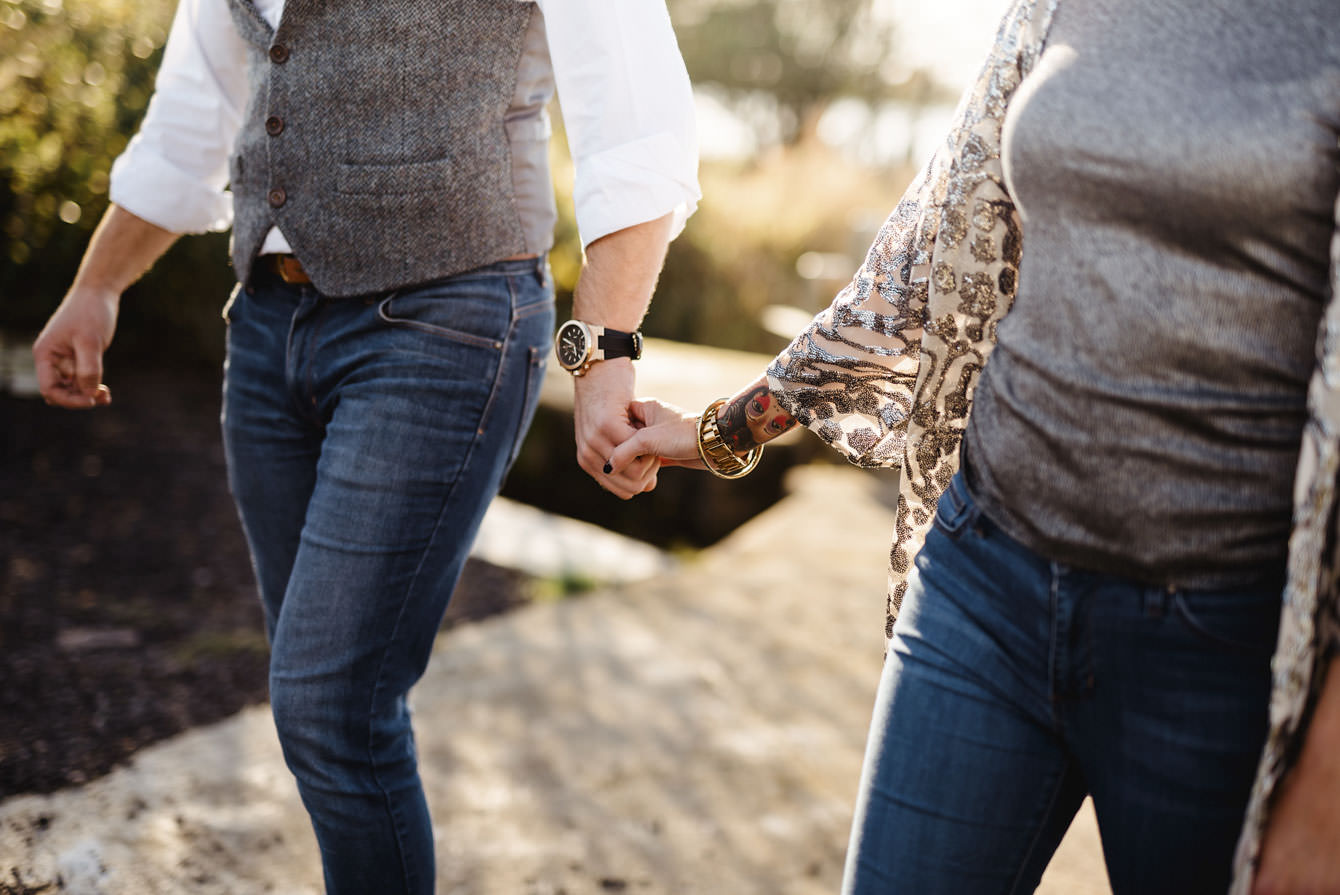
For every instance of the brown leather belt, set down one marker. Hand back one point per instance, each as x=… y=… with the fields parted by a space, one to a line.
x=289 y=269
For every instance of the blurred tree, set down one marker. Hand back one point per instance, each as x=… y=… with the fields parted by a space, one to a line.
x=75 y=77
x=73 y=80
x=779 y=64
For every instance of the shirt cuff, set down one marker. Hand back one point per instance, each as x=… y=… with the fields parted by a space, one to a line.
x=634 y=183
x=149 y=187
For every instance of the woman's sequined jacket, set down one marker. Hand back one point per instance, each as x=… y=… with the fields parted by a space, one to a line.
x=885 y=375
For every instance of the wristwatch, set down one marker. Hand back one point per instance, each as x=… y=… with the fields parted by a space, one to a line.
x=578 y=345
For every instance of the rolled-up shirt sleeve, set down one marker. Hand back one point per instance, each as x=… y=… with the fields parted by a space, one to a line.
x=174 y=171
x=628 y=110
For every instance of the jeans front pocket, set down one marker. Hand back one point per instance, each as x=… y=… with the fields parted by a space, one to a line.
x=475 y=311
x=1244 y=621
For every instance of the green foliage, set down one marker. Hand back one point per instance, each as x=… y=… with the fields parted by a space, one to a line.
x=74 y=79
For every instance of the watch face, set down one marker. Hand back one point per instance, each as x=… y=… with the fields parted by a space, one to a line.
x=572 y=346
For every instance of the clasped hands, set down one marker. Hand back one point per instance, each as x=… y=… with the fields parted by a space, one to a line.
x=622 y=443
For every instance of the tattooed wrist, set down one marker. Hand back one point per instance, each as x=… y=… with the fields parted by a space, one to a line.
x=734 y=426
x=751 y=418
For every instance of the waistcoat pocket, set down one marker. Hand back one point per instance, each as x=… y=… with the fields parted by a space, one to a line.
x=393 y=179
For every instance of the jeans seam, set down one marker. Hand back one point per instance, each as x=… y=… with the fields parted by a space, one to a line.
x=291 y=376
x=1037 y=832
x=532 y=309
x=394 y=638
x=310 y=412
x=1053 y=643
x=503 y=348
x=528 y=270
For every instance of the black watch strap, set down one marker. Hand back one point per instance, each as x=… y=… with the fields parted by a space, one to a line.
x=616 y=343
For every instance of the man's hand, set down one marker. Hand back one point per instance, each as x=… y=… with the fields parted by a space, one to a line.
x=1301 y=851
x=68 y=353
x=602 y=419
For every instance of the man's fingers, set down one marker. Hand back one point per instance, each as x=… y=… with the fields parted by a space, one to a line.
x=592 y=460
x=633 y=474
x=637 y=477
x=628 y=452
x=56 y=380
x=64 y=365
x=48 y=372
x=71 y=397
x=88 y=366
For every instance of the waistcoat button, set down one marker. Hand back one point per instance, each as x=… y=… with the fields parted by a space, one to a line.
x=277 y=197
x=279 y=54
x=274 y=125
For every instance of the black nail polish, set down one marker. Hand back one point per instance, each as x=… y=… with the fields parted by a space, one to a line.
x=608 y=469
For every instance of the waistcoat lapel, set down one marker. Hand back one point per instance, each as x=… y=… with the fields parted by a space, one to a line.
x=252 y=25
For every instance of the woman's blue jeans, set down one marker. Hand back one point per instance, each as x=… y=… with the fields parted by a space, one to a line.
x=1015 y=685
x=365 y=438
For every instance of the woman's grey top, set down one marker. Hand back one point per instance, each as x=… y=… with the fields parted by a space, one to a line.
x=1176 y=169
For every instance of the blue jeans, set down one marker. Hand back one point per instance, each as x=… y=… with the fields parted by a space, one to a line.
x=365 y=438
x=1015 y=685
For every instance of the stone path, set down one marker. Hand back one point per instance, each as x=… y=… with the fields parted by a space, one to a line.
x=696 y=734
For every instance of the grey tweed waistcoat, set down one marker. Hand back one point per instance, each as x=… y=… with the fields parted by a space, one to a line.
x=376 y=138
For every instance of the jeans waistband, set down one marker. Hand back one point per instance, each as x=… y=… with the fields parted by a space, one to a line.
x=287 y=270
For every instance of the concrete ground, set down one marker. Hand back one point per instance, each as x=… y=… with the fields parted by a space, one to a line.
x=696 y=734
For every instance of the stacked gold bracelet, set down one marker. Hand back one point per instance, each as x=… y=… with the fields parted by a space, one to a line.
x=721 y=461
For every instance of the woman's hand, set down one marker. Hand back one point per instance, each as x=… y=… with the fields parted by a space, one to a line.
x=666 y=432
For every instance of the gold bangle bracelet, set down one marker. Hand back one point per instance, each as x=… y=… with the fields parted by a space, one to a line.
x=721 y=461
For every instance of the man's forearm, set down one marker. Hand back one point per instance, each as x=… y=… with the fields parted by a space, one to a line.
x=620 y=275
x=123 y=247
